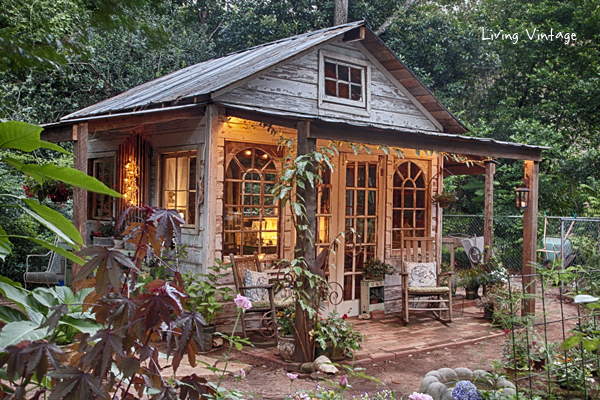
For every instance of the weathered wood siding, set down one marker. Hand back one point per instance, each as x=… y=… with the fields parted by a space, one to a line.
x=293 y=87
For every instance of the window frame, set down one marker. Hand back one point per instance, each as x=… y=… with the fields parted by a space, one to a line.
x=92 y=163
x=162 y=177
x=334 y=103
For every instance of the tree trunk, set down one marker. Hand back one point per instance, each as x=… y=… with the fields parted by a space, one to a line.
x=340 y=15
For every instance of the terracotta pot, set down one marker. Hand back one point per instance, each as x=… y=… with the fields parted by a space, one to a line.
x=374 y=301
x=319 y=351
x=378 y=314
x=208 y=332
x=445 y=203
x=286 y=345
x=337 y=353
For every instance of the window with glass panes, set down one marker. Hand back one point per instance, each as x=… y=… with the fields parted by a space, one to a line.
x=344 y=80
x=179 y=185
x=251 y=212
x=324 y=211
x=103 y=169
x=409 y=203
x=361 y=216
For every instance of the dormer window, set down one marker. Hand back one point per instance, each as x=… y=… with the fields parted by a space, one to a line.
x=344 y=83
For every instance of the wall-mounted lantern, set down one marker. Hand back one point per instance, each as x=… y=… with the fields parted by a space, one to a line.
x=522 y=197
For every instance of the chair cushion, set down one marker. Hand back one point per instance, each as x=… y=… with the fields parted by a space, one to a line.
x=255 y=278
x=279 y=303
x=428 y=289
x=421 y=274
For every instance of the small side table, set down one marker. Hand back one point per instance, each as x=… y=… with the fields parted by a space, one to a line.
x=366 y=288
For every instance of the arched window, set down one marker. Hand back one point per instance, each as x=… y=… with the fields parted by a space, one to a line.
x=410 y=203
x=251 y=222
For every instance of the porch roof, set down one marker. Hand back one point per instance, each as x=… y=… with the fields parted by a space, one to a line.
x=386 y=135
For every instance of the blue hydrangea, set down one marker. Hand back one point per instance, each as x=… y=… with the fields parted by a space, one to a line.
x=465 y=390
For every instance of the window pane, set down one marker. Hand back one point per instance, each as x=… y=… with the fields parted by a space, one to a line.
x=183 y=173
x=372 y=202
x=323 y=229
x=360 y=230
x=371 y=230
x=420 y=181
x=330 y=88
x=343 y=90
x=270 y=177
x=245 y=157
x=350 y=175
x=362 y=172
x=181 y=200
x=260 y=159
x=169 y=200
x=356 y=92
x=170 y=166
x=233 y=218
x=325 y=201
x=356 y=75
x=349 y=202
x=192 y=181
x=191 y=208
x=372 y=176
x=360 y=202
x=397 y=219
x=420 y=199
x=343 y=73
x=330 y=70
x=233 y=171
x=403 y=170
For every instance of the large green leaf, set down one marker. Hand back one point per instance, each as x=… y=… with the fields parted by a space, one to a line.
x=45 y=296
x=68 y=175
x=9 y=314
x=5 y=245
x=64 y=295
x=59 y=250
x=20 y=136
x=15 y=332
x=54 y=221
x=81 y=325
x=15 y=294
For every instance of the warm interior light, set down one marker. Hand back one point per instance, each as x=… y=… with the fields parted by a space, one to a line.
x=522 y=197
x=248 y=152
x=131 y=175
x=265 y=156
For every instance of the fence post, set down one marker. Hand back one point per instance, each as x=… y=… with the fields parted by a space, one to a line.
x=530 y=232
x=488 y=221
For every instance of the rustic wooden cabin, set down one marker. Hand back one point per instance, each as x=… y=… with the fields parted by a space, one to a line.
x=199 y=140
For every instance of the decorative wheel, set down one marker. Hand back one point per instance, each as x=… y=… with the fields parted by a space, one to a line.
x=475 y=255
x=440 y=315
x=267 y=325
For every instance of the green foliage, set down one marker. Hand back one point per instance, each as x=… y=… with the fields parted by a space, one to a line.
x=204 y=294
x=339 y=332
x=376 y=268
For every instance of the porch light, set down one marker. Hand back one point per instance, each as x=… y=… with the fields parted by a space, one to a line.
x=522 y=197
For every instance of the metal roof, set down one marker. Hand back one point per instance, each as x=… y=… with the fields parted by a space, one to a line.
x=209 y=76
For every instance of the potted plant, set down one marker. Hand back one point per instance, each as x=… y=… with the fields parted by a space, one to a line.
x=469 y=279
x=206 y=297
x=376 y=269
x=487 y=305
x=444 y=199
x=286 y=339
x=335 y=337
x=56 y=191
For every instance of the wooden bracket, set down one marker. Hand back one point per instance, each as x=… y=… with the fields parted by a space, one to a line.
x=355 y=34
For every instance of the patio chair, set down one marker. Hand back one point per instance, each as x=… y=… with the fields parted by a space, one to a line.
x=422 y=289
x=255 y=285
x=53 y=273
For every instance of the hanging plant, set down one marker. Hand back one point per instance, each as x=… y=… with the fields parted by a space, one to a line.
x=445 y=199
x=56 y=191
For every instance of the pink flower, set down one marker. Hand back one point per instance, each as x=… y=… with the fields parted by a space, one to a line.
x=420 y=396
x=344 y=381
x=243 y=302
x=292 y=376
x=242 y=373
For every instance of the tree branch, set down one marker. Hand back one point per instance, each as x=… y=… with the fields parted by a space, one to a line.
x=390 y=20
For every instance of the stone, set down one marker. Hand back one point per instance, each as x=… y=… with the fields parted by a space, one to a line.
x=509 y=392
x=436 y=390
x=308 y=368
x=323 y=364
x=436 y=374
x=464 y=374
x=428 y=380
x=217 y=341
x=447 y=374
x=479 y=374
x=319 y=376
x=504 y=383
x=447 y=394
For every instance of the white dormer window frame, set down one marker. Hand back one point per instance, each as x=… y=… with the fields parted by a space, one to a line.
x=329 y=93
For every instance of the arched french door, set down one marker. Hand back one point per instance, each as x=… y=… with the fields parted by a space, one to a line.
x=251 y=212
x=409 y=205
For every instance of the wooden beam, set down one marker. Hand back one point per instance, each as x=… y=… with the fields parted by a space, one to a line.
x=532 y=169
x=462 y=169
x=62 y=133
x=488 y=221
x=421 y=141
x=79 y=133
x=305 y=242
x=209 y=163
x=355 y=34
x=128 y=120
x=287 y=122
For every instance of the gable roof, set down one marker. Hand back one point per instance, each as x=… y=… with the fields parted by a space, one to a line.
x=196 y=84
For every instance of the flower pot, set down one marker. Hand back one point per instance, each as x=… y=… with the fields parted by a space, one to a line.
x=445 y=203
x=337 y=353
x=472 y=293
x=374 y=301
x=208 y=332
x=286 y=345
x=488 y=314
x=319 y=351
x=378 y=314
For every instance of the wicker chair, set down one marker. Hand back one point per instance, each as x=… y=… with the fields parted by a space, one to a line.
x=421 y=284
x=262 y=316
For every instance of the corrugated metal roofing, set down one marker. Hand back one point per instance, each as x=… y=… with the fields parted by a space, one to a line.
x=212 y=75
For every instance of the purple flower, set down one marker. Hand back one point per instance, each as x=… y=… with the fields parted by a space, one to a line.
x=292 y=376
x=344 y=381
x=243 y=302
x=465 y=390
x=242 y=373
x=420 y=396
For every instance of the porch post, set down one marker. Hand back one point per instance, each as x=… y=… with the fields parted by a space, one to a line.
x=305 y=246
x=530 y=231
x=488 y=222
x=209 y=169
x=80 y=200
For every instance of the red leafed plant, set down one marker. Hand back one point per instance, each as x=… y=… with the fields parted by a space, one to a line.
x=119 y=361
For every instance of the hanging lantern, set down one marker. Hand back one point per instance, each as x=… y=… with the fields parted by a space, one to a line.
x=522 y=197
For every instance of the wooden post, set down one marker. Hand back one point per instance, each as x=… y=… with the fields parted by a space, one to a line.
x=80 y=196
x=532 y=169
x=305 y=244
x=488 y=222
x=210 y=176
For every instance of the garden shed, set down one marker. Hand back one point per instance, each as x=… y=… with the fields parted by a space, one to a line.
x=204 y=141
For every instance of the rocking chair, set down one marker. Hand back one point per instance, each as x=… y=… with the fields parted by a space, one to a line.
x=421 y=284
x=262 y=316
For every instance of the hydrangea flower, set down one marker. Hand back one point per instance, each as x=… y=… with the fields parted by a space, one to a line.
x=465 y=390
